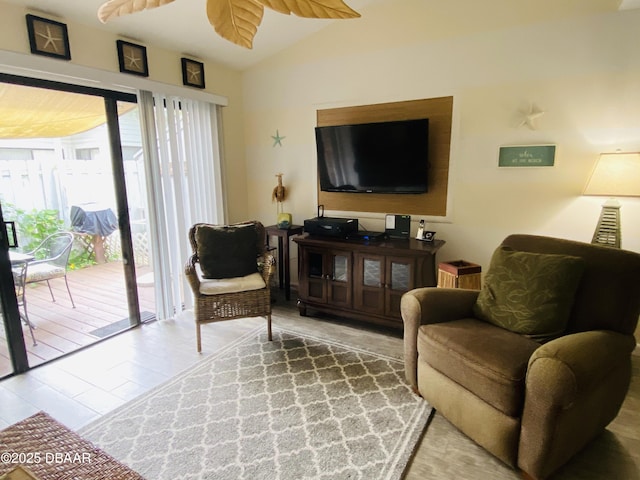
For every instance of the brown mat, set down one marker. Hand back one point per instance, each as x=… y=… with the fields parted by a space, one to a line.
x=53 y=452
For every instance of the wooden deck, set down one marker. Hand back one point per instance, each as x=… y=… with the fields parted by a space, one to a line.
x=100 y=297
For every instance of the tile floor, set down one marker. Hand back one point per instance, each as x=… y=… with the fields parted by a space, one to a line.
x=85 y=385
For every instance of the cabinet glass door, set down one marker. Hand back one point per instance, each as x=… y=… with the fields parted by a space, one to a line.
x=313 y=283
x=340 y=268
x=369 y=284
x=339 y=279
x=400 y=276
x=372 y=272
x=400 y=273
x=316 y=264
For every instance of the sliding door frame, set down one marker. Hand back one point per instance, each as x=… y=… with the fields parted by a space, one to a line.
x=9 y=306
x=124 y=225
x=13 y=326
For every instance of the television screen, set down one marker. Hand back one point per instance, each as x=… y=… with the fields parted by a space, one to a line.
x=385 y=157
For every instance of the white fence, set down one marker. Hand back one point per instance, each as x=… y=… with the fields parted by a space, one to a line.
x=52 y=183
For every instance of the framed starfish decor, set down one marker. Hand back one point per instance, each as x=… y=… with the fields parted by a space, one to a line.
x=132 y=58
x=192 y=73
x=48 y=37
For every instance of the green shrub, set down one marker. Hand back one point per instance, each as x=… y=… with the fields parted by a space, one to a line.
x=34 y=226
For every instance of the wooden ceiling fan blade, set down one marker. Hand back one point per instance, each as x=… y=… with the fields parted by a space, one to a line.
x=117 y=8
x=312 y=8
x=236 y=20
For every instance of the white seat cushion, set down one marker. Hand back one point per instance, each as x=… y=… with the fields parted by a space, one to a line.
x=43 y=271
x=210 y=286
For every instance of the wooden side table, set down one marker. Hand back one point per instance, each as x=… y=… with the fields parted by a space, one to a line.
x=459 y=274
x=284 y=274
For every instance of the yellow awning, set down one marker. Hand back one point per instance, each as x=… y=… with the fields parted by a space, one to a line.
x=31 y=112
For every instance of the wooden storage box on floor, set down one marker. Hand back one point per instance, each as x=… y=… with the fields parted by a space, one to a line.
x=459 y=274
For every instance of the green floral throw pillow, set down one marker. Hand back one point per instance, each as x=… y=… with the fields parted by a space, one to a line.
x=529 y=293
x=227 y=251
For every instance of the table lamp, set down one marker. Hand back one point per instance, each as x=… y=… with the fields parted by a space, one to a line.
x=615 y=175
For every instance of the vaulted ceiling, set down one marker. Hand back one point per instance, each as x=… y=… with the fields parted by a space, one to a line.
x=182 y=25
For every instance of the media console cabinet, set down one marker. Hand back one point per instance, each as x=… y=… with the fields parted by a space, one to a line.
x=362 y=280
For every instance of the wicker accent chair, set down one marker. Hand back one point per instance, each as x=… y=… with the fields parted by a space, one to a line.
x=229 y=297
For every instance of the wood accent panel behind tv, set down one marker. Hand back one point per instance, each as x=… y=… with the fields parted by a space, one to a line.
x=434 y=202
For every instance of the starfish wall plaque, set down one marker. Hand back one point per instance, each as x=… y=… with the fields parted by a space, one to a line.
x=132 y=58
x=238 y=20
x=192 y=73
x=48 y=37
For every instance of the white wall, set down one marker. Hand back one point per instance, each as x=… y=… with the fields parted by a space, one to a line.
x=577 y=61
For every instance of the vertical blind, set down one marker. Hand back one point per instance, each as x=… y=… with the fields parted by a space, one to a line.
x=184 y=186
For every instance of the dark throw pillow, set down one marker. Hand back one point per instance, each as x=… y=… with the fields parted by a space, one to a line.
x=227 y=251
x=529 y=293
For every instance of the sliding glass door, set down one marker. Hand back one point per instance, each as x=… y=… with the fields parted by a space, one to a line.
x=71 y=167
x=11 y=358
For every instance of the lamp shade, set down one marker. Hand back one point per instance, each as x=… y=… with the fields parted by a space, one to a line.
x=615 y=174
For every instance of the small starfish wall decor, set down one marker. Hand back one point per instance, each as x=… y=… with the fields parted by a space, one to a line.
x=194 y=74
x=529 y=118
x=238 y=20
x=277 y=139
x=132 y=60
x=49 y=39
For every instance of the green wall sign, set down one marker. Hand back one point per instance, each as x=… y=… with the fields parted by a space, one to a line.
x=527 y=156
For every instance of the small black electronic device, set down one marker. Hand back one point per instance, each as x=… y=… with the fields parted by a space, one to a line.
x=331 y=226
x=368 y=236
x=428 y=236
x=398 y=226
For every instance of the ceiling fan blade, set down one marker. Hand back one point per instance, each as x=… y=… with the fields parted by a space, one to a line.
x=312 y=8
x=117 y=8
x=235 y=20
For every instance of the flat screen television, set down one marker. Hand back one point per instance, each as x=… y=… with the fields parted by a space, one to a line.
x=384 y=157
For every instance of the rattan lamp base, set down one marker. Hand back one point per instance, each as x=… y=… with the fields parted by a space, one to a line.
x=608 y=229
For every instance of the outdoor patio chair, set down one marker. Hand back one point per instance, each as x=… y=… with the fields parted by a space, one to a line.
x=51 y=259
x=229 y=273
x=19 y=277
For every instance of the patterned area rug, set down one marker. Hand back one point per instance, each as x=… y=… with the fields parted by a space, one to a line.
x=298 y=407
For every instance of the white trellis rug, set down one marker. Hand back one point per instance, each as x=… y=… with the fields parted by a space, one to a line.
x=298 y=407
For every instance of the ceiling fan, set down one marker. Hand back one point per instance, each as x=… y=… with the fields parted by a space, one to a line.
x=238 y=20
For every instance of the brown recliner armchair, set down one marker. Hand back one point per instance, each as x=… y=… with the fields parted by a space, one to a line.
x=531 y=401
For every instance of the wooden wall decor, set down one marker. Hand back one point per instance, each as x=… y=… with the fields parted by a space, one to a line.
x=434 y=202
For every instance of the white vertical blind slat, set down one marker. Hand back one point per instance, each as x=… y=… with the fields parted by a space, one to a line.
x=183 y=158
x=157 y=219
x=172 y=179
